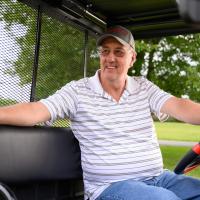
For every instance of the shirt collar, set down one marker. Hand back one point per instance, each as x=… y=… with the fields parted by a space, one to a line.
x=95 y=84
x=131 y=84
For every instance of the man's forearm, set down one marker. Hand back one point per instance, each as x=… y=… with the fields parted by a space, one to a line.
x=24 y=114
x=183 y=109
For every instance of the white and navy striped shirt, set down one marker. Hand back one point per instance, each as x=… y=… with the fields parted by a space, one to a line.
x=117 y=139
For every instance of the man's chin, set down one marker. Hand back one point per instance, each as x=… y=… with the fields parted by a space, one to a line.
x=109 y=74
x=111 y=77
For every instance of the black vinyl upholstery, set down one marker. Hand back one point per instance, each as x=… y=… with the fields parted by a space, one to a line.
x=38 y=153
x=41 y=162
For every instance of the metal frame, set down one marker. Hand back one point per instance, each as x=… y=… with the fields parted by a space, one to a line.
x=36 y=55
x=72 y=13
x=85 y=54
x=42 y=8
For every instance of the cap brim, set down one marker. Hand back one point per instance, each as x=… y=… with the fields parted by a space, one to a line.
x=103 y=37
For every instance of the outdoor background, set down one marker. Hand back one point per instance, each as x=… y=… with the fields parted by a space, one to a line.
x=173 y=63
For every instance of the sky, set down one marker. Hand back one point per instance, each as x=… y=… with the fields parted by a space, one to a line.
x=9 y=49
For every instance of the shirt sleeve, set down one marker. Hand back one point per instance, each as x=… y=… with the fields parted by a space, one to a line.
x=156 y=97
x=62 y=104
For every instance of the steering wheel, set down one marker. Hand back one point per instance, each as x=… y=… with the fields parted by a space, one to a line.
x=189 y=161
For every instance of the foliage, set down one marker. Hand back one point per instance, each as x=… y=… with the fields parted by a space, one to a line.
x=4 y=102
x=61 y=49
x=172 y=63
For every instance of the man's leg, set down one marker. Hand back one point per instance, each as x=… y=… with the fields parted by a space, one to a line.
x=135 y=190
x=185 y=187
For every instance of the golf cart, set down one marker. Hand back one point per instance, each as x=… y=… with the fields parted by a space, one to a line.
x=47 y=43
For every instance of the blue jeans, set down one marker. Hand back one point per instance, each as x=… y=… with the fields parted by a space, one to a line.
x=167 y=186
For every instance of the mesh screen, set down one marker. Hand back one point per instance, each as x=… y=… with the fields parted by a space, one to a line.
x=61 y=54
x=16 y=20
x=93 y=58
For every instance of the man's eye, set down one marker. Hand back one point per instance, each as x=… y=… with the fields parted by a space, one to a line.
x=119 y=52
x=104 y=51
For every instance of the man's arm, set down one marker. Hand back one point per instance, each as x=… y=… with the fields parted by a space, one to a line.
x=24 y=114
x=182 y=109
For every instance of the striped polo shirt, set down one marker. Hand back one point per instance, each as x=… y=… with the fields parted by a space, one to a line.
x=117 y=139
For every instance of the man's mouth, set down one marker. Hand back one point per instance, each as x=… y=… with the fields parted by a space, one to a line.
x=111 y=67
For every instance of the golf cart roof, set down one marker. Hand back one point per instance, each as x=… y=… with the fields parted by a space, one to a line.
x=145 y=18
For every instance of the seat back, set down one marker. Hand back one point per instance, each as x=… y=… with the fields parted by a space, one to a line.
x=30 y=155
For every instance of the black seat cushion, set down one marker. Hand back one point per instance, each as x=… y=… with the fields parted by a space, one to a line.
x=38 y=154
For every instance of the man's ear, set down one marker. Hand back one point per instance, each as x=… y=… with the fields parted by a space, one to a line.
x=133 y=58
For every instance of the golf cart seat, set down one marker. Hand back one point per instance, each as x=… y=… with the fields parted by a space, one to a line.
x=40 y=162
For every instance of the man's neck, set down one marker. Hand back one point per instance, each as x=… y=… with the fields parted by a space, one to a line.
x=114 y=88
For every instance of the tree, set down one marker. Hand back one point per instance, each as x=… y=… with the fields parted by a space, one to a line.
x=61 y=49
x=4 y=102
x=173 y=63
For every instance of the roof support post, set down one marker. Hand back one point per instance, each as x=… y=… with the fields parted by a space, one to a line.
x=36 y=54
x=85 y=54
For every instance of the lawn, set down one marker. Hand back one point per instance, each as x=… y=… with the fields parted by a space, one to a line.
x=177 y=131
x=171 y=156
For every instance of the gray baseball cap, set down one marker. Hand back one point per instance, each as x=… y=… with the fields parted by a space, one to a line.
x=123 y=35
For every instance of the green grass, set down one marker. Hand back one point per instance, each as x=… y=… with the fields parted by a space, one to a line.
x=181 y=132
x=177 y=131
x=172 y=155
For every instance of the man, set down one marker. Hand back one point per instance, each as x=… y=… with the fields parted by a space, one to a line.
x=110 y=115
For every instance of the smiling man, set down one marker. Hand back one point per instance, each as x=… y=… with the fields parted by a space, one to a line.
x=115 y=61
x=111 y=117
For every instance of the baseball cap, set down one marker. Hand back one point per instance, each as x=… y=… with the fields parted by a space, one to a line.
x=123 y=35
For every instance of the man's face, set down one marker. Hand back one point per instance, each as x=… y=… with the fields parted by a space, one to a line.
x=115 y=59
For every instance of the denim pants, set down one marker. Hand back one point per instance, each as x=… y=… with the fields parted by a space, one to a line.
x=167 y=186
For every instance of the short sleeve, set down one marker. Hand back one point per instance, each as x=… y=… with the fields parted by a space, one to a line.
x=156 y=97
x=62 y=104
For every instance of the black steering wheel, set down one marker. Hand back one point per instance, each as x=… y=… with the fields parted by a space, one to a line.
x=189 y=161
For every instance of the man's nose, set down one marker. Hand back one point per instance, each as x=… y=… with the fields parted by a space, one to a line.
x=111 y=56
